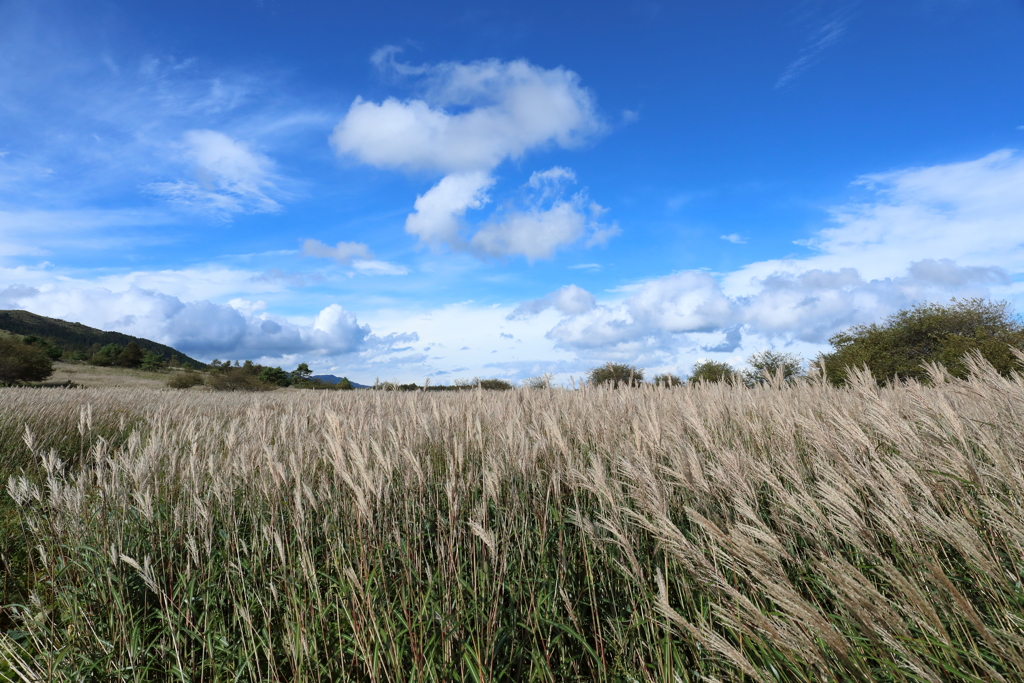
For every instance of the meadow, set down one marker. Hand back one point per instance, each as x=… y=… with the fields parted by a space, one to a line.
x=786 y=532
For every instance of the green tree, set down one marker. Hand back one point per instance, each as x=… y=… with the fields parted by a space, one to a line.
x=944 y=334
x=152 y=361
x=131 y=356
x=106 y=355
x=712 y=371
x=302 y=372
x=273 y=376
x=51 y=351
x=616 y=375
x=667 y=379
x=20 y=362
x=765 y=366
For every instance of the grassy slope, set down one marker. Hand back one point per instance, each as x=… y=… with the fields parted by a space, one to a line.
x=77 y=337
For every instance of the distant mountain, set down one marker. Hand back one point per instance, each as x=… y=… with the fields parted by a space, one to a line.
x=78 y=337
x=334 y=379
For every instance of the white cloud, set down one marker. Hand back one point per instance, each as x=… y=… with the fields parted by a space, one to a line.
x=438 y=212
x=926 y=234
x=355 y=254
x=509 y=108
x=378 y=268
x=734 y=238
x=535 y=233
x=469 y=119
x=202 y=328
x=230 y=177
x=343 y=252
x=569 y=300
x=548 y=223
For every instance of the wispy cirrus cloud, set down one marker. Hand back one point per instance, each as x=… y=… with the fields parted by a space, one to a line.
x=827 y=32
x=229 y=177
x=354 y=254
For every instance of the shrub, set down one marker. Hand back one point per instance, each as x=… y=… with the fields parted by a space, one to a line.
x=20 y=362
x=495 y=384
x=106 y=355
x=712 y=371
x=667 y=379
x=616 y=374
x=185 y=380
x=540 y=382
x=944 y=334
x=770 y=365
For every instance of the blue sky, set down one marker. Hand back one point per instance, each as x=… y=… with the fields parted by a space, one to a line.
x=408 y=190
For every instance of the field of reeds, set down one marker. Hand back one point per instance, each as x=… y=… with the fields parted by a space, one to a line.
x=797 y=532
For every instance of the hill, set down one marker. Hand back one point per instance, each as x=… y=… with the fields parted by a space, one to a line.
x=72 y=337
x=334 y=379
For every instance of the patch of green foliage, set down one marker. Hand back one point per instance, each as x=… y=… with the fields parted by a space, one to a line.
x=712 y=371
x=667 y=379
x=771 y=365
x=74 y=341
x=902 y=345
x=185 y=380
x=22 y=362
x=616 y=375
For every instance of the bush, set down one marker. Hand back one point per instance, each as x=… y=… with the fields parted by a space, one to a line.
x=106 y=356
x=616 y=374
x=667 y=379
x=712 y=371
x=495 y=384
x=907 y=340
x=185 y=380
x=540 y=382
x=245 y=377
x=769 y=365
x=21 y=362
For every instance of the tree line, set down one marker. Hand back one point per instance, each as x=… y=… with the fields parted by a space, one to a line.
x=900 y=347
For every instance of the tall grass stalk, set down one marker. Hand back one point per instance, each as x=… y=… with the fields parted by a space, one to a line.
x=788 y=532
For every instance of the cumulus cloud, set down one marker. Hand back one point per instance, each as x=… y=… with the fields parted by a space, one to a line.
x=239 y=328
x=925 y=234
x=807 y=307
x=438 y=212
x=535 y=233
x=229 y=176
x=734 y=238
x=548 y=222
x=468 y=120
x=471 y=117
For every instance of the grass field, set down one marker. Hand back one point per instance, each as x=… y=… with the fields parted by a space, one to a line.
x=792 y=533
